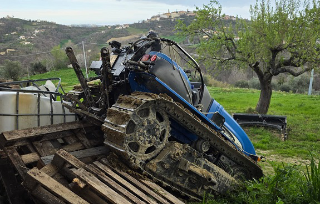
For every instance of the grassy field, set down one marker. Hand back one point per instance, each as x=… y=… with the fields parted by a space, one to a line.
x=303 y=118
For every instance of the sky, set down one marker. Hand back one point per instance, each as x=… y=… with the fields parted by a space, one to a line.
x=109 y=12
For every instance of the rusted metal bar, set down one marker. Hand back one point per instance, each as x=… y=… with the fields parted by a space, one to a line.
x=107 y=77
x=73 y=60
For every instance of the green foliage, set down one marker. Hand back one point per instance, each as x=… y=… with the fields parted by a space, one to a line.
x=285 y=87
x=60 y=57
x=11 y=70
x=311 y=189
x=38 y=68
x=278 y=39
x=242 y=84
x=299 y=84
x=285 y=186
x=175 y=38
x=254 y=83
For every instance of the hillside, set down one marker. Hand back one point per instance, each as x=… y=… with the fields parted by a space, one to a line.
x=30 y=41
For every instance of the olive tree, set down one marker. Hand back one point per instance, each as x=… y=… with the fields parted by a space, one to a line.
x=11 y=70
x=279 y=38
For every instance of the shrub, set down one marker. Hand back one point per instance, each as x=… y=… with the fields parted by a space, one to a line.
x=38 y=68
x=254 y=83
x=288 y=185
x=242 y=84
x=311 y=189
x=285 y=87
x=299 y=84
x=275 y=86
x=11 y=70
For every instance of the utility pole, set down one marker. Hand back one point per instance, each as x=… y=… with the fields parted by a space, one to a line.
x=85 y=60
x=310 y=85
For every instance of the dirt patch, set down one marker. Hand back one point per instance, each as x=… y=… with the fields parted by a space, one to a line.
x=271 y=158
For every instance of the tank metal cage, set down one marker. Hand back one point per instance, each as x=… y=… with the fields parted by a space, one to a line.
x=51 y=95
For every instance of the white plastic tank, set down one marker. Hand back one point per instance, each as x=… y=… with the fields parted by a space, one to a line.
x=7 y=106
x=28 y=104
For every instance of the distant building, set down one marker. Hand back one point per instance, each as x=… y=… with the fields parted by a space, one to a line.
x=164 y=16
x=190 y=13
x=182 y=12
x=10 y=50
x=175 y=15
x=167 y=14
x=155 y=18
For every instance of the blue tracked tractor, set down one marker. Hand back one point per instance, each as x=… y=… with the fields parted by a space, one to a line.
x=162 y=123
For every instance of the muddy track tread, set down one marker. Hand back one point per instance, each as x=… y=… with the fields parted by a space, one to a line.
x=126 y=105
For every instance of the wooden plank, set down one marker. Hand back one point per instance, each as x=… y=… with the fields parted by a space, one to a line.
x=163 y=192
x=16 y=160
x=45 y=196
x=54 y=135
x=87 y=194
x=83 y=139
x=95 y=151
x=73 y=147
x=124 y=182
x=35 y=177
x=30 y=158
x=100 y=187
x=62 y=157
x=50 y=169
x=44 y=148
x=70 y=139
x=11 y=185
x=12 y=136
x=139 y=185
x=111 y=182
x=39 y=138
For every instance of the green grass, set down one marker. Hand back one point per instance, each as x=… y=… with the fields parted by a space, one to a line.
x=63 y=42
x=67 y=75
x=303 y=118
x=175 y=38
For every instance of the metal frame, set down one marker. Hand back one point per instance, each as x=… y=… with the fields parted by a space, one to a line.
x=51 y=95
x=272 y=121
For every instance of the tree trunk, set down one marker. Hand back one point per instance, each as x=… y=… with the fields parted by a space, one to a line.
x=265 y=96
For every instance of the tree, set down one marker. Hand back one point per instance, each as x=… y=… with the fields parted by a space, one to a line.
x=11 y=70
x=60 y=57
x=279 y=39
x=38 y=68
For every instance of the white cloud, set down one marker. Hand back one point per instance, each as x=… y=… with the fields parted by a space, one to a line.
x=242 y=11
